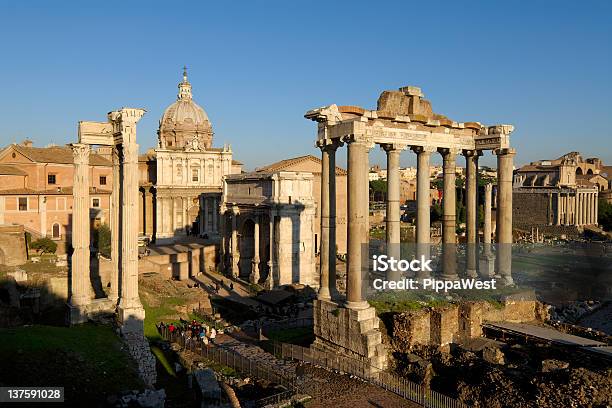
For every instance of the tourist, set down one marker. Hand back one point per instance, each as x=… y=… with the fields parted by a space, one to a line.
x=213 y=334
x=231 y=286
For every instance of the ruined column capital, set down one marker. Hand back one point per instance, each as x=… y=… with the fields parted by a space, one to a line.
x=423 y=149
x=391 y=147
x=449 y=152
x=471 y=153
x=360 y=139
x=329 y=145
x=505 y=152
x=80 y=152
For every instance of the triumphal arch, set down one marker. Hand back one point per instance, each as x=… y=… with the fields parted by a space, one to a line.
x=403 y=120
x=119 y=132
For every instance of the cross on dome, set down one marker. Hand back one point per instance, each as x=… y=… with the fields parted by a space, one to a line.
x=184 y=86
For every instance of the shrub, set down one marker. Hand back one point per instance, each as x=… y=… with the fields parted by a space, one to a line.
x=102 y=240
x=45 y=245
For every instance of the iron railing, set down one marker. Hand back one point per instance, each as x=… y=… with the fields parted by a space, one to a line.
x=374 y=375
x=237 y=362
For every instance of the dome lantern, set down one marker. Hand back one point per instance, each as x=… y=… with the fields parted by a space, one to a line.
x=184 y=124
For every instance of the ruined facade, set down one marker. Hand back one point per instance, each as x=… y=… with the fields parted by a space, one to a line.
x=558 y=193
x=267 y=227
x=403 y=119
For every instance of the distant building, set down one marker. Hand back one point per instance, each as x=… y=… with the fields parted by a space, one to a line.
x=280 y=201
x=267 y=227
x=36 y=190
x=558 y=193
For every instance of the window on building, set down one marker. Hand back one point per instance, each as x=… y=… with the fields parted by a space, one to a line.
x=102 y=180
x=95 y=202
x=195 y=175
x=55 y=231
x=23 y=203
x=51 y=178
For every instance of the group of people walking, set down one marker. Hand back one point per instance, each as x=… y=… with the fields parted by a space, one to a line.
x=193 y=331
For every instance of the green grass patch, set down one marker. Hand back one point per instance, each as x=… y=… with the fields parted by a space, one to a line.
x=86 y=360
x=155 y=314
x=163 y=360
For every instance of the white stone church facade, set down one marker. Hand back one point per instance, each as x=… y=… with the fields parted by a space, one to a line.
x=182 y=179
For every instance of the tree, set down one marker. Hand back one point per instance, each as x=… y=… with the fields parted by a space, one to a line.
x=45 y=245
x=378 y=189
x=436 y=213
x=102 y=240
x=605 y=215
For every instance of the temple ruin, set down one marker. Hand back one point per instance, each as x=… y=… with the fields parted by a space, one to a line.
x=403 y=120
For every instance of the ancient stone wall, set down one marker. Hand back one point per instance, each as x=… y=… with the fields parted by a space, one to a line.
x=444 y=325
x=455 y=323
x=530 y=209
x=138 y=347
x=354 y=333
x=12 y=245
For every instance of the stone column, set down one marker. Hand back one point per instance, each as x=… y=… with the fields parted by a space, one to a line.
x=590 y=208
x=486 y=237
x=578 y=208
x=131 y=313
x=270 y=277
x=80 y=283
x=234 y=250
x=393 y=206
x=423 y=227
x=215 y=215
x=471 y=204
x=595 y=221
x=504 y=213
x=357 y=233
x=115 y=228
x=449 y=217
x=254 y=277
x=327 y=260
x=558 y=221
x=487 y=260
x=222 y=233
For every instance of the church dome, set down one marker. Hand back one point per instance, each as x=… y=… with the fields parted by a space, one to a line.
x=184 y=124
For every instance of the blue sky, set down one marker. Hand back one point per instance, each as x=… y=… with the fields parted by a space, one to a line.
x=257 y=66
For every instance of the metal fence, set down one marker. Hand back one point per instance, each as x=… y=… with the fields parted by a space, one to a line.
x=237 y=362
x=391 y=382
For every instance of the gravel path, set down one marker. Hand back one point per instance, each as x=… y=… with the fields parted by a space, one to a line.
x=329 y=389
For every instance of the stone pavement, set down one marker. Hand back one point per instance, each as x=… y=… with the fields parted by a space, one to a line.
x=257 y=354
x=240 y=293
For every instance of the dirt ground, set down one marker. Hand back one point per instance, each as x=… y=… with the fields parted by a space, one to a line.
x=341 y=391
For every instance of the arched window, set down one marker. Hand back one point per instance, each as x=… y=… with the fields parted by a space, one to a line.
x=56 y=231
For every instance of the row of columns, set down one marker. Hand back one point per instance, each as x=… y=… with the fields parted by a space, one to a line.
x=124 y=224
x=209 y=218
x=357 y=251
x=231 y=251
x=577 y=208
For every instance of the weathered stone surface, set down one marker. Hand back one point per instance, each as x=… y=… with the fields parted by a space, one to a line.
x=493 y=355
x=138 y=347
x=12 y=245
x=553 y=365
x=207 y=384
x=350 y=332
